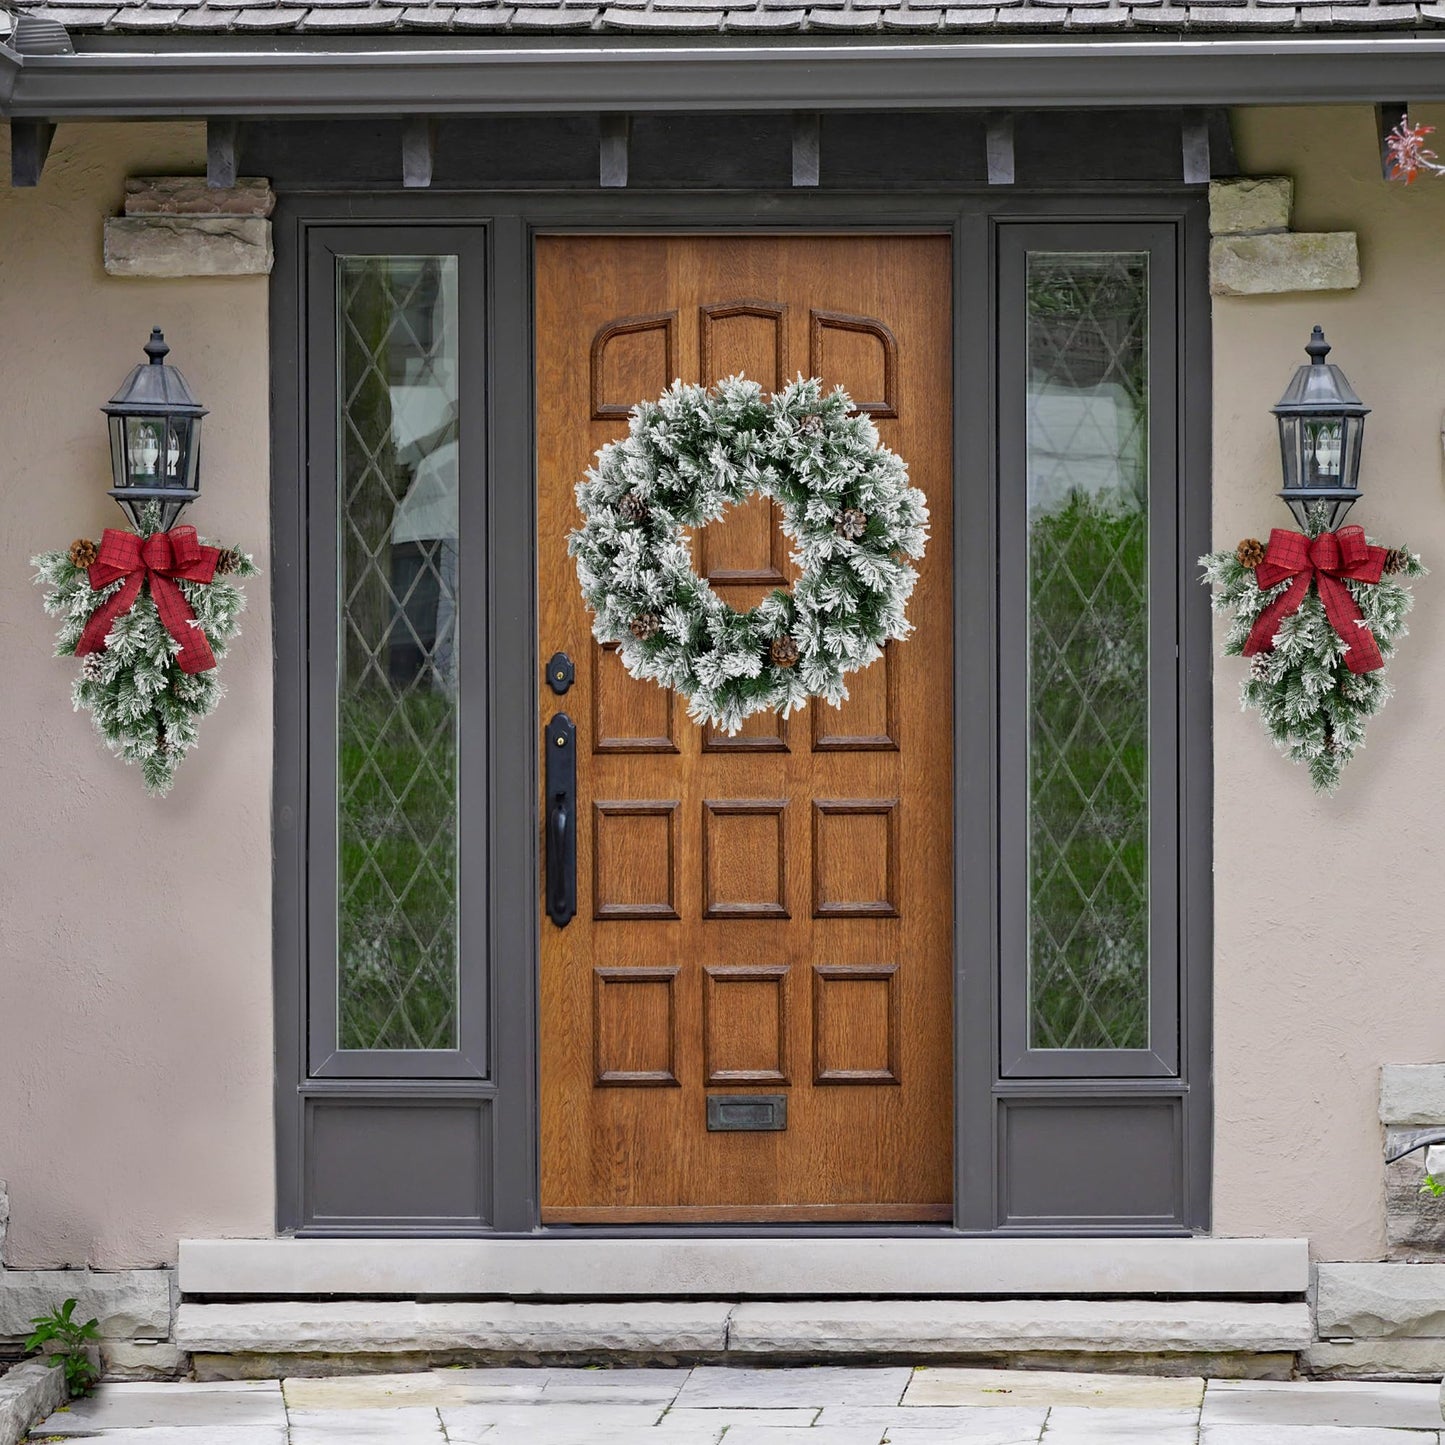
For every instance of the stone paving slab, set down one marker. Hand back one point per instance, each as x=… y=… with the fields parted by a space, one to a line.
x=825 y=1385
x=1025 y=1387
x=968 y=1422
x=911 y=1435
x=114 y=1407
x=401 y=1425
x=180 y=1435
x=1091 y=1425
x=718 y=1415
x=1312 y=1435
x=1333 y=1402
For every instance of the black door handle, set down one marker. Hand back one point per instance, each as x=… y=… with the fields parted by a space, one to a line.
x=561 y=789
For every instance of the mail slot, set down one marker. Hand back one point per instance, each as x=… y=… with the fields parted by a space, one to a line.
x=747 y=1112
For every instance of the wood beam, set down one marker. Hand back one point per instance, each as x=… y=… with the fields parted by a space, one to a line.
x=612 y=159
x=1388 y=115
x=1194 y=137
x=999 y=145
x=222 y=137
x=418 y=151
x=29 y=146
x=807 y=150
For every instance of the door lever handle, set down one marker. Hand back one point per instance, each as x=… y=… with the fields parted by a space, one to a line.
x=561 y=791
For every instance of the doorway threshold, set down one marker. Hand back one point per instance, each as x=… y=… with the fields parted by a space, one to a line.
x=921 y=1267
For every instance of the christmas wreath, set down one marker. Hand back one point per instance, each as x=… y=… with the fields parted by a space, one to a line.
x=150 y=613
x=1318 y=613
x=846 y=505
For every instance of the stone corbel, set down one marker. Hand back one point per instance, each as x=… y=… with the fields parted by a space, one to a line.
x=180 y=226
x=1253 y=252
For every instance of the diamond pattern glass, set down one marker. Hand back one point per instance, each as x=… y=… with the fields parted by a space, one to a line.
x=397 y=697
x=1088 y=635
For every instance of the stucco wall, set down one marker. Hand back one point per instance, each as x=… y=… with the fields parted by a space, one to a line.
x=135 y=951
x=1330 y=913
x=135 y=1063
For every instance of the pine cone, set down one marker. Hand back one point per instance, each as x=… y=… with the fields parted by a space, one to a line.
x=645 y=626
x=1249 y=553
x=1396 y=560
x=83 y=552
x=90 y=667
x=1259 y=667
x=632 y=508
x=852 y=523
x=810 y=425
x=784 y=651
x=230 y=560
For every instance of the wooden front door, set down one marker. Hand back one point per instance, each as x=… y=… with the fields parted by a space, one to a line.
x=769 y=914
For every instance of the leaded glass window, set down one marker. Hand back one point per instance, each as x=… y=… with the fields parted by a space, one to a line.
x=1088 y=645
x=397 y=715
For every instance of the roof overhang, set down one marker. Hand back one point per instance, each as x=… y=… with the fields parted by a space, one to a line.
x=134 y=78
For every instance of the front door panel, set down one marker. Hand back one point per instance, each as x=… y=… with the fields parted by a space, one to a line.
x=767 y=915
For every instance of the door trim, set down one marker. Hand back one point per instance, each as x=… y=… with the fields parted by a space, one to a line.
x=981 y=1097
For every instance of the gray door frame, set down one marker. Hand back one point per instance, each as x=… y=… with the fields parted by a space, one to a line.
x=507 y=1098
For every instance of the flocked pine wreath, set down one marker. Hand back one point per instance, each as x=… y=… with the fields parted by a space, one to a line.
x=145 y=705
x=1310 y=701
x=854 y=521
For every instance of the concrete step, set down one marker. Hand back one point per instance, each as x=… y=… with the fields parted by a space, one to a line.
x=375 y=1330
x=736 y=1268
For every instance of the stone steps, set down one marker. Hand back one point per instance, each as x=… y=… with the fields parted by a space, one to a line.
x=239 y=1338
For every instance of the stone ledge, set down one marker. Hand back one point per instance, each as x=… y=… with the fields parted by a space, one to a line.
x=1412 y=1095
x=129 y=1303
x=1277 y=264
x=1250 y=205
x=191 y=196
x=372 y=1327
x=738 y=1268
x=948 y=1327
x=173 y=246
x=1392 y=1359
x=810 y=1329
x=28 y=1393
x=1374 y=1301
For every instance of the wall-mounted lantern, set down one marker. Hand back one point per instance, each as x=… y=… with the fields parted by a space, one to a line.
x=1321 y=430
x=155 y=438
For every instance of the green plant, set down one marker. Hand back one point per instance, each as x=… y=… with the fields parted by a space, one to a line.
x=70 y=1343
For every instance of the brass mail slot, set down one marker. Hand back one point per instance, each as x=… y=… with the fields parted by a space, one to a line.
x=747 y=1112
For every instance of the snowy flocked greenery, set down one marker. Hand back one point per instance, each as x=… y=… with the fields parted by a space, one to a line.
x=1313 y=707
x=143 y=705
x=688 y=457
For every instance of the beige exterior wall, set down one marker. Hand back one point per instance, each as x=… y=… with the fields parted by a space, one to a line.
x=135 y=934
x=136 y=1066
x=1330 y=913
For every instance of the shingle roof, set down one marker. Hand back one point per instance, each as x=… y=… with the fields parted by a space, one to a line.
x=744 y=18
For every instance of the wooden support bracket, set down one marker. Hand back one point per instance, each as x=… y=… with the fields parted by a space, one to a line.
x=1388 y=115
x=29 y=146
x=999 y=145
x=806 y=148
x=418 y=151
x=612 y=160
x=1194 y=139
x=222 y=143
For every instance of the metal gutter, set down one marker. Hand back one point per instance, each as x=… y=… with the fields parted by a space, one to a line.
x=404 y=75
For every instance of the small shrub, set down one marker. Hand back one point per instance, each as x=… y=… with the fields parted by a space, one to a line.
x=71 y=1344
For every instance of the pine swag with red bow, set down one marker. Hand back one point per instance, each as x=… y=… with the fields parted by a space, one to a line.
x=1318 y=614
x=151 y=613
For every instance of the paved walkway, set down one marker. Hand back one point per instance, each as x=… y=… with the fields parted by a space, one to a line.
x=708 y=1405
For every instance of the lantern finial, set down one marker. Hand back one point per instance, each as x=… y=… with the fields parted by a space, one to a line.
x=157 y=349
x=1317 y=349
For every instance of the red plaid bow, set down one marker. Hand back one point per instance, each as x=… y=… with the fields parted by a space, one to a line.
x=1327 y=559
x=158 y=560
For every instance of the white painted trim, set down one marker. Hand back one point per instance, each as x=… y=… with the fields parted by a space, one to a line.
x=740 y=1268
